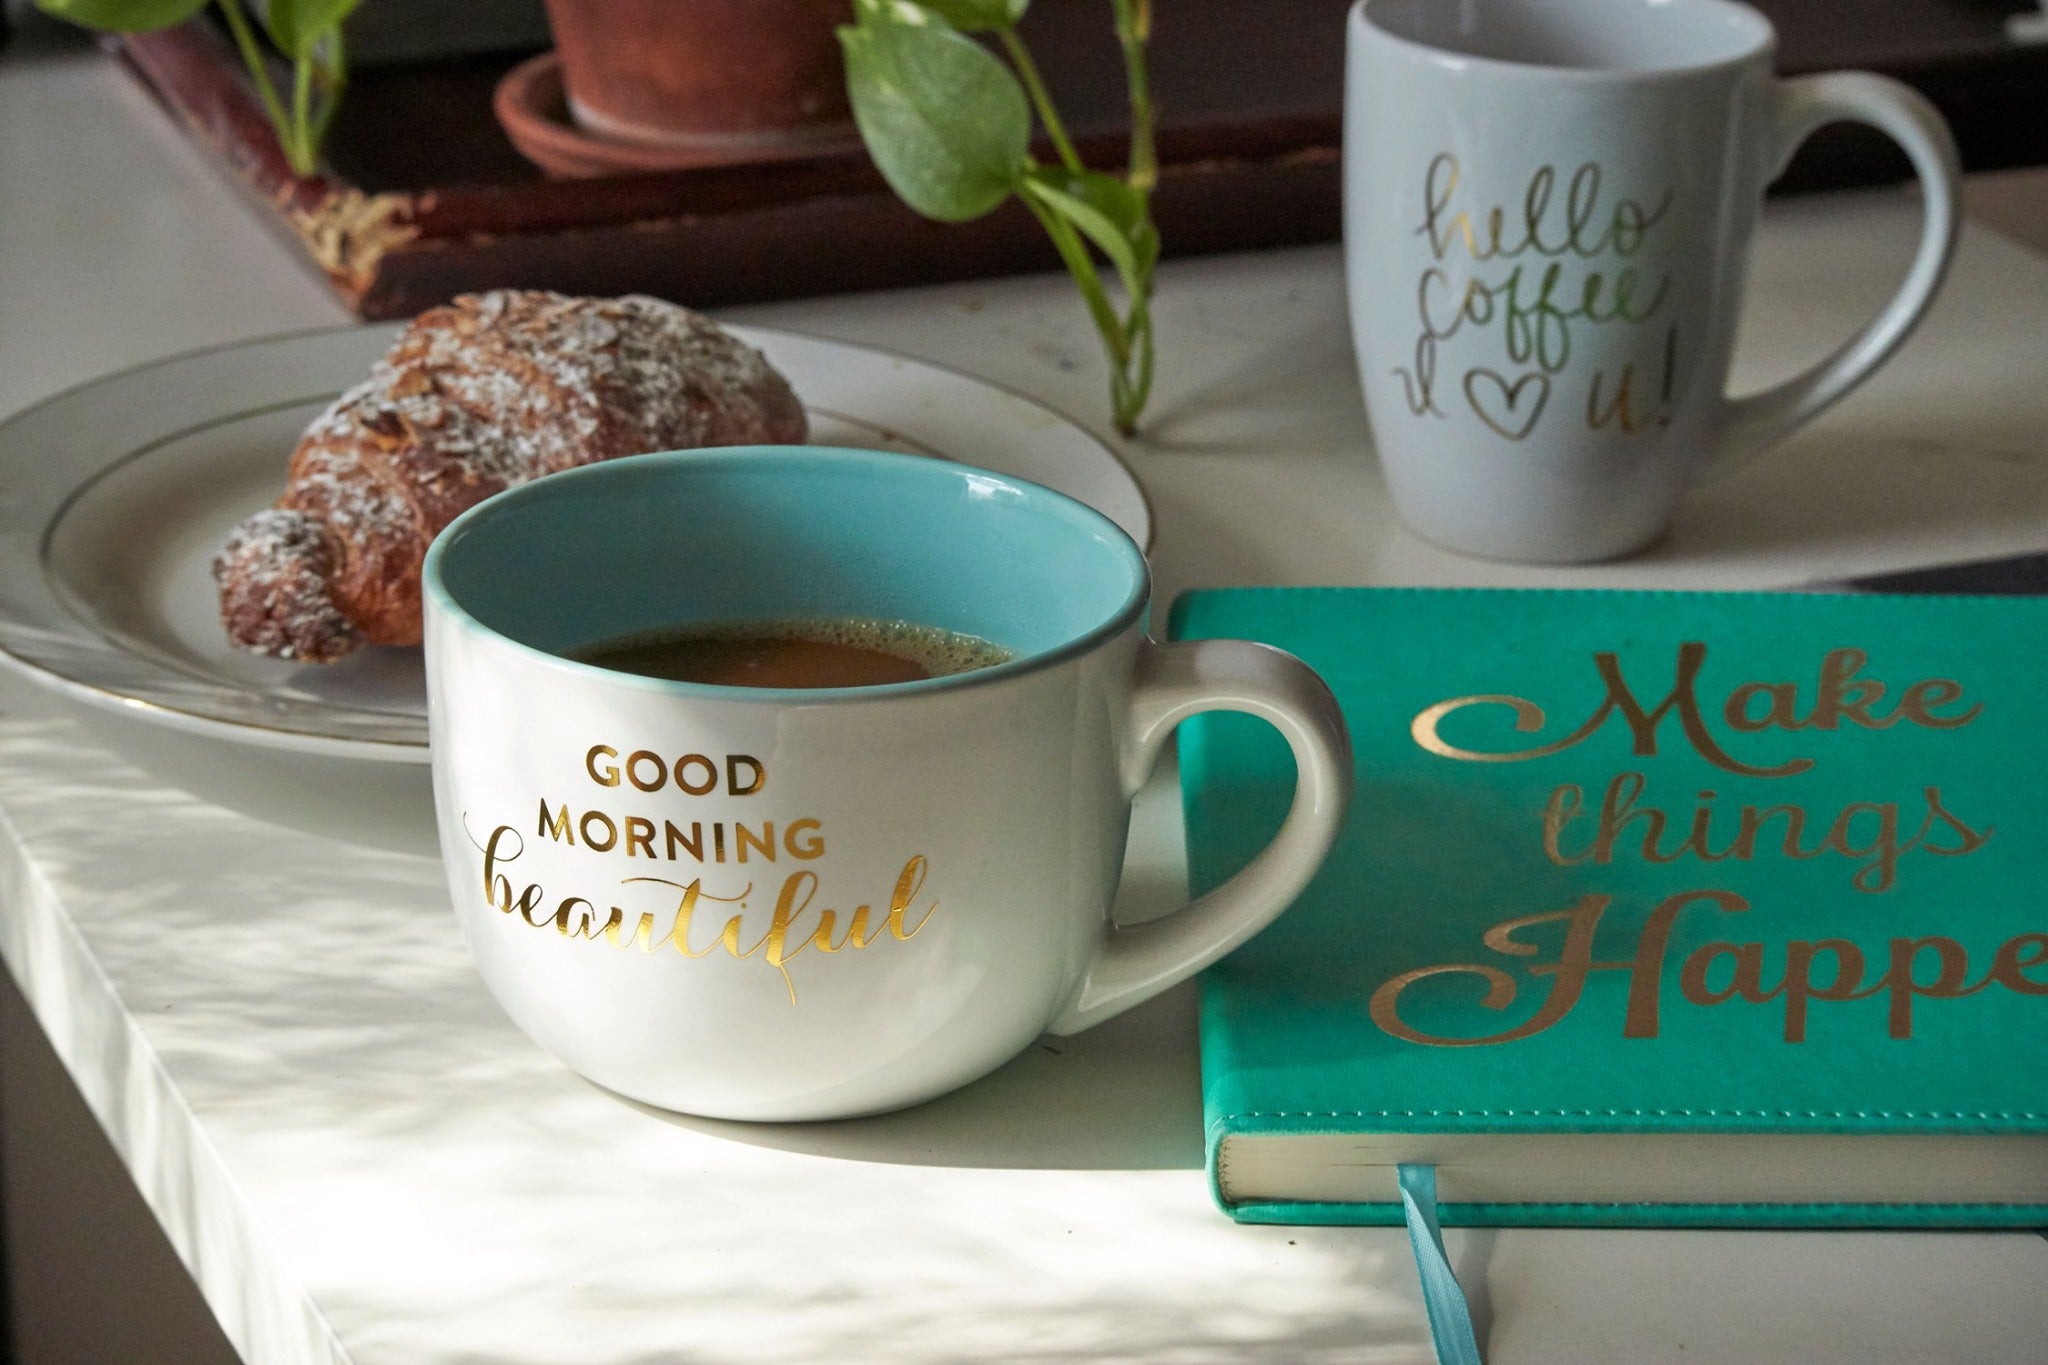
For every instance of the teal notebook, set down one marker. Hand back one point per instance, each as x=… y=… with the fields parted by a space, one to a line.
x=1651 y=908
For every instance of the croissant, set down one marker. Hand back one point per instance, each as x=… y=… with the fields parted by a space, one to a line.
x=474 y=397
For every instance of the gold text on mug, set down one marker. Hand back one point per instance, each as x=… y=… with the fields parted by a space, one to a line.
x=786 y=935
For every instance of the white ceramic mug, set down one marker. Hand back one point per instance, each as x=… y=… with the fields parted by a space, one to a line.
x=1548 y=207
x=777 y=904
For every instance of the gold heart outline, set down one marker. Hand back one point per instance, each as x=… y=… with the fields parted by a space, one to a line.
x=1510 y=398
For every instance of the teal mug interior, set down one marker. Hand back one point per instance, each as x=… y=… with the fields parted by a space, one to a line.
x=751 y=533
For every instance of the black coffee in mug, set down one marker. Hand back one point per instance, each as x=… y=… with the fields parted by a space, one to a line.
x=826 y=652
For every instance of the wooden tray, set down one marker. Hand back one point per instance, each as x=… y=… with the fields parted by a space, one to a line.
x=423 y=197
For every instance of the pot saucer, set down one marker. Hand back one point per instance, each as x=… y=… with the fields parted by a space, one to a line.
x=532 y=106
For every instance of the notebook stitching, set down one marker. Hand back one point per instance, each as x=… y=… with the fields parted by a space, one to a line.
x=1951 y=1116
x=1314 y=589
x=2018 y=1209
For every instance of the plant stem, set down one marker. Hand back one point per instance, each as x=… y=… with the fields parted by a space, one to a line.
x=302 y=104
x=1041 y=99
x=1074 y=252
x=1123 y=342
x=1127 y=339
x=335 y=73
x=1136 y=392
x=297 y=156
x=1133 y=31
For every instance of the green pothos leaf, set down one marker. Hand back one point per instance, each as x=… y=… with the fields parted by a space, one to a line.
x=297 y=26
x=123 y=16
x=944 y=119
x=974 y=16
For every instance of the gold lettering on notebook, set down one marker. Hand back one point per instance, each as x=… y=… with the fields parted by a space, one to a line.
x=1536 y=968
x=1840 y=698
x=1796 y=976
x=1868 y=831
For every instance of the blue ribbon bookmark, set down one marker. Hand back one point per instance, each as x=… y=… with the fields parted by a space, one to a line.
x=1450 y=1317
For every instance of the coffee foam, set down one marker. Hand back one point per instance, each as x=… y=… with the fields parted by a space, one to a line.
x=938 y=652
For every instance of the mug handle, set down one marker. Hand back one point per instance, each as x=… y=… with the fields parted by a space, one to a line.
x=1755 y=422
x=1174 y=681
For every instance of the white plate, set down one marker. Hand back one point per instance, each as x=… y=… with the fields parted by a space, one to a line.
x=115 y=496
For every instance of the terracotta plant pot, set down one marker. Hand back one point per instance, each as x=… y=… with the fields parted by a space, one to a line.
x=704 y=73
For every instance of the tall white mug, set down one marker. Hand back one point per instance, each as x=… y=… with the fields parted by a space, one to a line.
x=1548 y=207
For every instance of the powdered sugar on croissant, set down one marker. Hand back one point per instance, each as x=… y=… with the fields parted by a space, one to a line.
x=474 y=397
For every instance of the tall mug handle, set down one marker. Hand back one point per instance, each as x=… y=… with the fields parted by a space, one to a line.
x=1174 y=682
x=1756 y=422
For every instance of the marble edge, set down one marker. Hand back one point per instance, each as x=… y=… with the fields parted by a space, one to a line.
x=265 y=1312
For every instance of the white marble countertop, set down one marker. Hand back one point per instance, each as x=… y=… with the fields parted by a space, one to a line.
x=360 y=1159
